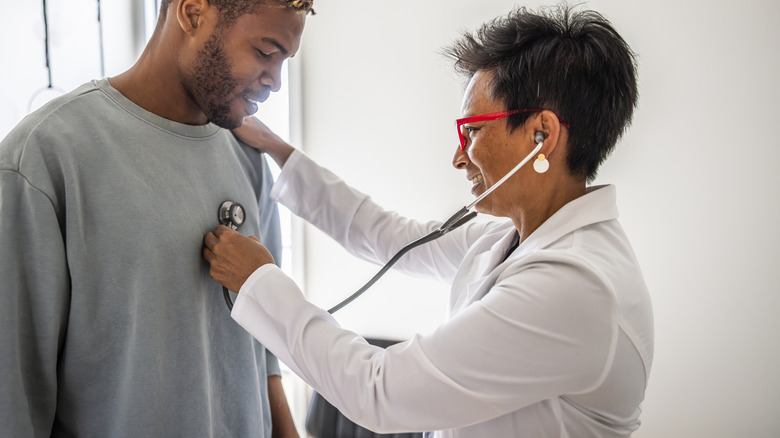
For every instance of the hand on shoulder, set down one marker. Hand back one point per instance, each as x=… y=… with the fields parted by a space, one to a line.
x=254 y=133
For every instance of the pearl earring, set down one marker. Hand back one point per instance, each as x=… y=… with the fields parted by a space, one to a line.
x=541 y=164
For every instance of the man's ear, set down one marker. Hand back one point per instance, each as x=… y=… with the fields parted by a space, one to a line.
x=190 y=14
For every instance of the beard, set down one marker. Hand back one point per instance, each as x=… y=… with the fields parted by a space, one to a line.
x=213 y=85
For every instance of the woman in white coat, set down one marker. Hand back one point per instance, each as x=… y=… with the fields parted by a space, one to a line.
x=551 y=331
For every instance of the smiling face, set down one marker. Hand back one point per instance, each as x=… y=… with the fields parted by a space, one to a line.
x=491 y=150
x=237 y=67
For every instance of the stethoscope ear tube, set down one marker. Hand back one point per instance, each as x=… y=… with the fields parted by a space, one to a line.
x=506 y=177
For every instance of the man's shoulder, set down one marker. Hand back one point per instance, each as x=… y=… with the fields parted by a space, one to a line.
x=51 y=125
x=253 y=162
x=66 y=106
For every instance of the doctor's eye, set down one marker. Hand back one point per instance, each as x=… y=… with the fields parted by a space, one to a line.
x=468 y=131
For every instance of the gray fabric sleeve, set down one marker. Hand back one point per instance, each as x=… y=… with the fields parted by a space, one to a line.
x=270 y=234
x=272 y=364
x=34 y=300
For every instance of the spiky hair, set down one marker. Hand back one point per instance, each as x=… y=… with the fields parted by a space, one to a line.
x=569 y=61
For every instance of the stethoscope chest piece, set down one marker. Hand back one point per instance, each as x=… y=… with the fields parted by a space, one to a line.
x=231 y=214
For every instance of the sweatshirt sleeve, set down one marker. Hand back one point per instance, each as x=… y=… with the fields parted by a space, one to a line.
x=270 y=231
x=34 y=301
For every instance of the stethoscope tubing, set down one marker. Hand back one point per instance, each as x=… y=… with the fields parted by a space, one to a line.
x=226 y=295
x=456 y=220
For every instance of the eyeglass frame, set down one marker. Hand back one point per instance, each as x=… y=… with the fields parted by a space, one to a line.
x=493 y=116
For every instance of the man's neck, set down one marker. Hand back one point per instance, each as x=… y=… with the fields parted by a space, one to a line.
x=153 y=83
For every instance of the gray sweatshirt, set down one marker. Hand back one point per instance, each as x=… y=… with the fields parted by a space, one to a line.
x=110 y=325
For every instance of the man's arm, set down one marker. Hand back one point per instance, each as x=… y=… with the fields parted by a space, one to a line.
x=34 y=296
x=283 y=425
x=270 y=232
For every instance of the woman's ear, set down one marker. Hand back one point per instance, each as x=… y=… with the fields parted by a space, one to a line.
x=548 y=124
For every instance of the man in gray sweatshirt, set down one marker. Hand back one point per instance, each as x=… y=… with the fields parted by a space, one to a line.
x=110 y=325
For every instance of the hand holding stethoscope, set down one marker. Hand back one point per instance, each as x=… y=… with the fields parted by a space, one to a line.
x=232 y=271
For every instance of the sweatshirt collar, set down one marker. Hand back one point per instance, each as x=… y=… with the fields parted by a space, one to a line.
x=176 y=128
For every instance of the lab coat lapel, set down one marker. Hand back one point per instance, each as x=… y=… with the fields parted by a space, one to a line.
x=481 y=274
x=597 y=205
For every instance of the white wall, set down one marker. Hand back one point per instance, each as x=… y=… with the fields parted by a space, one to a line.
x=697 y=178
x=74 y=49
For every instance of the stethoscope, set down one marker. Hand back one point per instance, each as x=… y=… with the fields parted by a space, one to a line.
x=231 y=214
x=456 y=220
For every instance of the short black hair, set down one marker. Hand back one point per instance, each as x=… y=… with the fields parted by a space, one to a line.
x=571 y=62
x=231 y=10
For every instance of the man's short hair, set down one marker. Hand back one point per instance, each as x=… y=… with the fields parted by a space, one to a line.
x=571 y=62
x=231 y=10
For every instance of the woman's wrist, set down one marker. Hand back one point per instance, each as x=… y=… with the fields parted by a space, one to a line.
x=280 y=153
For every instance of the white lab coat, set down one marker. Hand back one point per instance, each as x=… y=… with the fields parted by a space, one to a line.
x=556 y=341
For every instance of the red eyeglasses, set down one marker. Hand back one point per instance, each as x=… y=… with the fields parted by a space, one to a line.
x=488 y=117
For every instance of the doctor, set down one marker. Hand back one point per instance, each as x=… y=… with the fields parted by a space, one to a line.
x=551 y=330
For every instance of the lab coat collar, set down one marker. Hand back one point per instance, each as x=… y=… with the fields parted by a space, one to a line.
x=598 y=204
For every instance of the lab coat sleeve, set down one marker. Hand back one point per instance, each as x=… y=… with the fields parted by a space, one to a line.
x=547 y=329
x=34 y=300
x=362 y=227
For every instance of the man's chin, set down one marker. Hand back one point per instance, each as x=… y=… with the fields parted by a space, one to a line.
x=227 y=122
x=232 y=125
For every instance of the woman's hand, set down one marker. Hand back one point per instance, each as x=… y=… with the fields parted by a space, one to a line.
x=254 y=133
x=233 y=257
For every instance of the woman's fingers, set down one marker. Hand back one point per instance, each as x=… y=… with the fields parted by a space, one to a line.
x=233 y=257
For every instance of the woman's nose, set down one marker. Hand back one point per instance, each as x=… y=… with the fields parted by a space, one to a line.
x=460 y=160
